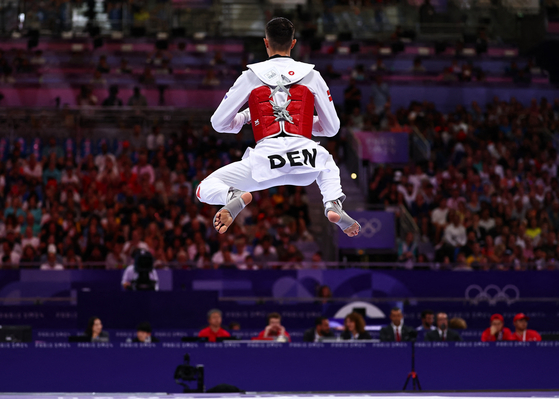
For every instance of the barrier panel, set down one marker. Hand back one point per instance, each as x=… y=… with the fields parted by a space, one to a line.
x=259 y=366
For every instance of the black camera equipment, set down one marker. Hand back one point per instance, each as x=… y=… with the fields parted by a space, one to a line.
x=143 y=266
x=186 y=373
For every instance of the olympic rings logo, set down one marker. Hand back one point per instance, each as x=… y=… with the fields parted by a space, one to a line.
x=369 y=227
x=493 y=294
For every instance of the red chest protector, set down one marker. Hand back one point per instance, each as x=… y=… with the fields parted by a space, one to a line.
x=268 y=120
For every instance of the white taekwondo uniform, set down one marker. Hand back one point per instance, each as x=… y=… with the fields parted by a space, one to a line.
x=282 y=95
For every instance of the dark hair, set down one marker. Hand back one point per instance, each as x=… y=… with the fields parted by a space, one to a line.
x=395 y=309
x=145 y=327
x=358 y=320
x=318 y=321
x=426 y=312
x=274 y=315
x=90 y=323
x=280 y=32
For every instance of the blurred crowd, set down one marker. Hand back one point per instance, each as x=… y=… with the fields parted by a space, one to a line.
x=63 y=208
x=489 y=195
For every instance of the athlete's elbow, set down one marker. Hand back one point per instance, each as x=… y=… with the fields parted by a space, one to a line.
x=218 y=124
x=334 y=129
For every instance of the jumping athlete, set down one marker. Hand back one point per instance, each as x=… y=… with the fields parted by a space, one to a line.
x=282 y=96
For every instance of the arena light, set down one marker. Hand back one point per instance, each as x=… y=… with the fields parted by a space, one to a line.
x=354 y=176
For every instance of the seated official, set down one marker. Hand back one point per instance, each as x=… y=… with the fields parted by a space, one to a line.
x=427 y=321
x=396 y=331
x=136 y=276
x=214 y=331
x=521 y=332
x=497 y=331
x=274 y=330
x=320 y=331
x=442 y=333
x=94 y=331
x=355 y=327
x=144 y=334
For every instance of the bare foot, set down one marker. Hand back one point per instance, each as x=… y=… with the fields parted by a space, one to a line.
x=223 y=217
x=351 y=231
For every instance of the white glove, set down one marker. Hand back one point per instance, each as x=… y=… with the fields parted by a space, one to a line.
x=246 y=114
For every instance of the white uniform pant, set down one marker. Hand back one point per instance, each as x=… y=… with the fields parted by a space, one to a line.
x=213 y=190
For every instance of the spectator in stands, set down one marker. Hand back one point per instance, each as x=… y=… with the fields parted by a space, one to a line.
x=352 y=97
x=112 y=100
x=33 y=169
x=50 y=148
x=265 y=252
x=482 y=41
x=320 y=331
x=94 y=330
x=522 y=333
x=71 y=260
x=214 y=330
x=52 y=172
x=224 y=258
x=38 y=58
x=274 y=329
x=52 y=262
x=158 y=57
x=442 y=333
x=144 y=168
x=86 y=98
x=476 y=257
x=98 y=79
x=29 y=238
x=218 y=59
x=124 y=68
x=137 y=99
x=155 y=139
x=497 y=331
x=407 y=250
x=378 y=66
x=147 y=76
x=29 y=258
x=354 y=327
x=454 y=236
x=427 y=12
x=396 y=331
x=164 y=69
x=144 y=334
x=103 y=65
x=116 y=259
x=359 y=73
x=10 y=258
x=427 y=321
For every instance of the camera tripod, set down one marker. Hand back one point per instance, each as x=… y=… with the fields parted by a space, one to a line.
x=413 y=375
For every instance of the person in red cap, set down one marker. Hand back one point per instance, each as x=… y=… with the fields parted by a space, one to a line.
x=497 y=331
x=522 y=333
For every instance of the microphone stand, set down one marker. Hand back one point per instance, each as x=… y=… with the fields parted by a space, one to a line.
x=413 y=374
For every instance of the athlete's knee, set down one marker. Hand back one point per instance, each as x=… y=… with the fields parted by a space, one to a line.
x=208 y=190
